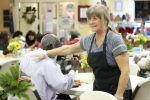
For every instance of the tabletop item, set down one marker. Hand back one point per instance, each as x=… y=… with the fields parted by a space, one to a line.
x=136 y=50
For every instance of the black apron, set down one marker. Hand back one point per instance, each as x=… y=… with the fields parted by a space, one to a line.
x=106 y=77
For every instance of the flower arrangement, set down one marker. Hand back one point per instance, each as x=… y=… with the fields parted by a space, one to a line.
x=84 y=63
x=13 y=83
x=14 y=45
x=128 y=44
x=140 y=39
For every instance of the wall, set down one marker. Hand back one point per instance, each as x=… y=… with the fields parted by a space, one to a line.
x=83 y=27
x=94 y=2
x=125 y=6
x=4 y=4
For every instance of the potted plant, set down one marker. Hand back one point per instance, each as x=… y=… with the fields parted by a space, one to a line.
x=14 y=85
x=14 y=46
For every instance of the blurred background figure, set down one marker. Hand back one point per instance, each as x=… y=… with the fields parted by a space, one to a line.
x=20 y=37
x=141 y=29
x=62 y=40
x=17 y=34
x=4 y=36
x=112 y=18
x=30 y=40
x=74 y=37
x=38 y=38
x=131 y=30
x=123 y=17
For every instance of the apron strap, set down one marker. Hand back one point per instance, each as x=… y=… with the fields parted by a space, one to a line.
x=92 y=42
x=104 y=44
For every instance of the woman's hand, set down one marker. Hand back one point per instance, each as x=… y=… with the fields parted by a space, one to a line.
x=39 y=55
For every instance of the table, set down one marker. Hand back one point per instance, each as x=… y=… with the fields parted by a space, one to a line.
x=131 y=60
x=3 y=60
x=87 y=78
x=144 y=53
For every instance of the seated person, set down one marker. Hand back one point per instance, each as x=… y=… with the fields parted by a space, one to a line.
x=45 y=75
x=30 y=40
x=20 y=37
x=62 y=40
x=4 y=41
x=74 y=35
x=17 y=34
x=142 y=63
x=38 y=38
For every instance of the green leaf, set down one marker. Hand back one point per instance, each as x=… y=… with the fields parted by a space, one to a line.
x=1 y=92
x=4 y=96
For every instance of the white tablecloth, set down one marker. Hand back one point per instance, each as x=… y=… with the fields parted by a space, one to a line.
x=144 y=53
x=87 y=78
x=3 y=60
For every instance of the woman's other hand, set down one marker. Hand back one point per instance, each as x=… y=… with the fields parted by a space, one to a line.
x=39 y=55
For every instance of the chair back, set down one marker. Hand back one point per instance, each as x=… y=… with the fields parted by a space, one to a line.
x=96 y=95
x=4 y=67
x=134 y=69
x=142 y=90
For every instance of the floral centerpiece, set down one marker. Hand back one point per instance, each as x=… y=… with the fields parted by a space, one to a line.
x=14 y=46
x=141 y=40
x=128 y=44
x=14 y=83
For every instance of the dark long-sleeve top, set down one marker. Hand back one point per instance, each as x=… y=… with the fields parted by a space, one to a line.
x=4 y=47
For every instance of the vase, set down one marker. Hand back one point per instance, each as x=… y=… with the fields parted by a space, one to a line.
x=14 y=54
x=11 y=97
x=141 y=47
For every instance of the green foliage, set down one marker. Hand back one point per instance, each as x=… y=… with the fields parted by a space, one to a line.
x=10 y=83
x=84 y=63
x=1 y=92
x=4 y=96
x=128 y=44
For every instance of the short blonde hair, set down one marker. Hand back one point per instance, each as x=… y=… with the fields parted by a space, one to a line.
x=100 y=11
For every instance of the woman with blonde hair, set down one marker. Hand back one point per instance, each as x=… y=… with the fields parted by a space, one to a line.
x=107 y=54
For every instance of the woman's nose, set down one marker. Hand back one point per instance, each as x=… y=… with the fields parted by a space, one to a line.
x=91 y=21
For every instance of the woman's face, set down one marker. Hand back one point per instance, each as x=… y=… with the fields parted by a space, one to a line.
x=95 y=23
x=19 y=36
x=31 y=37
